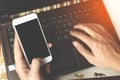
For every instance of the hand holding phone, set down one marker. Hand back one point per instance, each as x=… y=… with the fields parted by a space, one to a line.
x=32 y=39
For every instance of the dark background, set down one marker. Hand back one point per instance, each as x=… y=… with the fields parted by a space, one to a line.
x=14 y=6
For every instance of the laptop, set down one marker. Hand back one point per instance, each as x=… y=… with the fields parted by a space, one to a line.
x=57 y=18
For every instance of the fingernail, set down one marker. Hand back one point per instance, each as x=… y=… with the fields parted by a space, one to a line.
x=75 y=43
x=71 y=31
x=75 y=26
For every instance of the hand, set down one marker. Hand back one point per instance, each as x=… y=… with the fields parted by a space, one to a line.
x=22 y=68
x=105 y=51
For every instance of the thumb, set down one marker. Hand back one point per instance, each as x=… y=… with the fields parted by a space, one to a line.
x=35 y=69
x=36 y=65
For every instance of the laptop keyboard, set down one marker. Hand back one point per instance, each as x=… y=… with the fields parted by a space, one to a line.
x=10 y=33
x=60 y=21
x=61 y=25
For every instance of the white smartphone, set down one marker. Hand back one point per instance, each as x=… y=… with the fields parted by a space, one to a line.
x=32 y=39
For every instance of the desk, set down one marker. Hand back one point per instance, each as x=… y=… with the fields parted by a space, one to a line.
x=90 y=73
x=3 y=75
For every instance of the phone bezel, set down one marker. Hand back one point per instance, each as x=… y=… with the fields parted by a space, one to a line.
x=25 y=19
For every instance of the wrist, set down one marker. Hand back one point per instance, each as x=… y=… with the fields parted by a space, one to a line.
x=116 y=65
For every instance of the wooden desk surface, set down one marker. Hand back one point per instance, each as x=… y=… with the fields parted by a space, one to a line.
x=3 y=75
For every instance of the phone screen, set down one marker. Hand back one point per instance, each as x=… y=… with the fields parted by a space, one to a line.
x=32 y=40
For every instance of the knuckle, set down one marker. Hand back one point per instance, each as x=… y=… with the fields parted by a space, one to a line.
x=95 y=43
x=100 y=44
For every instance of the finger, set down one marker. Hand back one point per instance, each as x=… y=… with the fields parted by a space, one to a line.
x=18 y=56
x=86 y=53
x=83 y=37
x=48 y=68
x=50 y=45
x=35 y=69
x=99 y=28
x=36 y=65
x=102 y=31
x=85 y=28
